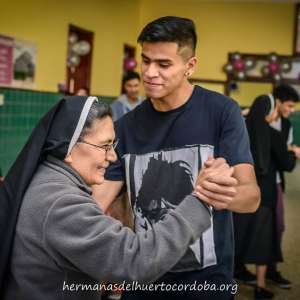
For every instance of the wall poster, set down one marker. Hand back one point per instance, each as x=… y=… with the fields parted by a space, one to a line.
x=17 y=62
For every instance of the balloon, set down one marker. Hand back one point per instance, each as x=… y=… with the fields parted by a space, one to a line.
x=130 y=64
x=285 y=66
x=273 y=56
x=73 y=38
x=81 y=48
x=265 y=71
x=240 y=75
x=238 y=65
x=236 y=56
x=273 y=67
x=250 y=63
x=228 y=68
x=73 y=61
x=277 y=77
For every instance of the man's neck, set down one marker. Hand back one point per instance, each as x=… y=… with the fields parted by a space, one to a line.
x=173 y=100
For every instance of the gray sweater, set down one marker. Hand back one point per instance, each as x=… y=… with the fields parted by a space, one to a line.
x=64 y=240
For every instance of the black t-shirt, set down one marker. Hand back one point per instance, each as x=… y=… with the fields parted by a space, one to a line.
x=160 y=155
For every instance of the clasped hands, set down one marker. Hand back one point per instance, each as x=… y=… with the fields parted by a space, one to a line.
x=215 y=184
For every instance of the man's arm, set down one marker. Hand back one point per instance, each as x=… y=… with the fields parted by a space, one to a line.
x=247 y=198
x=106 y=193
x=238 y=193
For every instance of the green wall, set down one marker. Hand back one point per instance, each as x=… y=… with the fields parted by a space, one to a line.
x=18 y=116
x=295 y=120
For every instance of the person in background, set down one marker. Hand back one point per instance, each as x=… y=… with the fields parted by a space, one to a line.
x=163 y=144
x=256 y=235
x=55 y=237
x=83 y=91
x=130 y=99
x=284 y=97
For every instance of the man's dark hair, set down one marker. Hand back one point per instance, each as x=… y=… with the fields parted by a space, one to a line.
x=181 y=31
x=131 y=75
x=285 y=92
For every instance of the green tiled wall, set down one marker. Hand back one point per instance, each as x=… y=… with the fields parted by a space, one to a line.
x=295 y=120
x=18 y=116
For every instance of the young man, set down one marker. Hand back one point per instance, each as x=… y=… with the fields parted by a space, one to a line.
x=164 y=143
x=130 y=99
x=285 y=98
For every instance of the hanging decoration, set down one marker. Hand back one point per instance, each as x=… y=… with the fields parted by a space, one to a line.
x=76 y=49
x=239 y=66
x=130 y=64
x=276 y=68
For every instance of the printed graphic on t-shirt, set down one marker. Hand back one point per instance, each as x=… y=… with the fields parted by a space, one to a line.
x=157 y=182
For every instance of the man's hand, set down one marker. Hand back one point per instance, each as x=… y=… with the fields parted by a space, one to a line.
x=215 y=184
x=295 y=149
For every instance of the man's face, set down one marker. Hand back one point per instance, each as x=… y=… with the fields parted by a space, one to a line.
x=163 y=69
x=285 y=108
x=132 y=88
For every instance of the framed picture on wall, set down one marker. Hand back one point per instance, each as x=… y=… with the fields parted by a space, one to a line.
x=297 y=31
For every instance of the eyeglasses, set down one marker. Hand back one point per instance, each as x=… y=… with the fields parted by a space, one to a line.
x=106 y=148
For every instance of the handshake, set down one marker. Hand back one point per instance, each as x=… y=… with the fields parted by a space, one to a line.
x=215 y=184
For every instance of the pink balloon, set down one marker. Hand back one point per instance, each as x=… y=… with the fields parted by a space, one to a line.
x=130 y=64
x=239 y=65
x=273 y=67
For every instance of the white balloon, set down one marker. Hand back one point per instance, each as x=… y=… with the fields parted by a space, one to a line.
x=250 y=63
x=286 y=66
x=73 y=61
x=236 y=56
x=240 y=75
x=273 y=56
x=277 y=77
x=73 y=38
x=81 y=48
x=228 y=68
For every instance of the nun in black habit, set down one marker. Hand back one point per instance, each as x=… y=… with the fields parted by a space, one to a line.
x=256 y=236
x=55 y=240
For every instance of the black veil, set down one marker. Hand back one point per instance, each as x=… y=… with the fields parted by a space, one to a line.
x=56 y=133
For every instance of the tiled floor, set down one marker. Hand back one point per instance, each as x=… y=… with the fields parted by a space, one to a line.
x=290 y=268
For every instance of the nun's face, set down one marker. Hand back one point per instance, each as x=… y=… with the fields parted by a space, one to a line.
x=89 y=161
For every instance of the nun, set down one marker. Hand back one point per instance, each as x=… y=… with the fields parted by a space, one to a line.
x=55 y=240
x=256 y=235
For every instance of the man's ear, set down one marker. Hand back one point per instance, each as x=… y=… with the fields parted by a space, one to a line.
x=191 y=66
x=277 y=102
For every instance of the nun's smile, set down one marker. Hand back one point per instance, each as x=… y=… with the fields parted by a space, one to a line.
x=91 y=156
